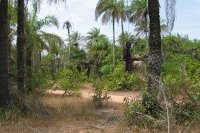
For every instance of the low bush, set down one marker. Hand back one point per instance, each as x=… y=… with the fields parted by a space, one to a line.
x=119 y=79
x=100 y=95
x=70 y=79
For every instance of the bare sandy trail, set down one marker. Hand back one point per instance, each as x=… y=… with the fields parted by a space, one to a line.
x=88 y=91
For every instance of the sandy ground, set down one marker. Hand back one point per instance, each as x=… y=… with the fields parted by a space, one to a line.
x=65 y=114
x=88 y=91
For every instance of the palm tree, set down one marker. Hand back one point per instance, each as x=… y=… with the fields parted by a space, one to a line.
x=4 y=91
x=154 y=59
x=126 y=37
x=37 y=40
x=97 y=50
x=20 y=43
x=93 y=36
x=123 y=14
x=76 y=39
x=138 y=14
x=110 y=11
x=68 y=26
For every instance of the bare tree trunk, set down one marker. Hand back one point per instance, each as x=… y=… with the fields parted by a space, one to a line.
x=69 y=44
x=20 y=44
x=4 y=91
x=29 y=69
x=122 y=26
x=113 y=41
x=155 y=58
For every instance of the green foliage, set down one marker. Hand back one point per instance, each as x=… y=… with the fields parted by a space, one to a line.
x=40 y=79
x=70 y=79
x=121 y=80
x=186 y=112
x=100 y=96
x=134 y=114
x=9 y=114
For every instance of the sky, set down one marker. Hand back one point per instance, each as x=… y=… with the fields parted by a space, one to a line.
x=81 y=13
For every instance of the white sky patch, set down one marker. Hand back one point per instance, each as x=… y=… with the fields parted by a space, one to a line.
x=82 y=15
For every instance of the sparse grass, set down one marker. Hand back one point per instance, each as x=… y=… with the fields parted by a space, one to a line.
x=75 y=114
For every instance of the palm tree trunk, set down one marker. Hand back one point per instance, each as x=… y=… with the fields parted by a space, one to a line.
x=122 y=26
x=29 y=69
x=20 y=45
x=154 y=41
x=69 y=44
x=155 y=58
x=113 y=41
x=9 y=47
x=4 y=91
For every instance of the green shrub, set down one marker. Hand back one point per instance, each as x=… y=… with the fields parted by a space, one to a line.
x=121 y=80
x=186 y=112
x=70 y=79
x=100 y=95
x=40 y=79
x=134 y=114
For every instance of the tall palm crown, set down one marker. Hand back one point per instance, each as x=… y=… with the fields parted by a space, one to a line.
x=67 y=24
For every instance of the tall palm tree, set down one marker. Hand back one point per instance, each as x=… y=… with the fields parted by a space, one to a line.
x=154 y=66
x=154 y=60
x=20 y=43
x=123 y=14
x=68 y=26
x=110 y=11
x=4 y=91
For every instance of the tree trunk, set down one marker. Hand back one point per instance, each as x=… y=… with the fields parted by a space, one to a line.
x=122 y=26
x=155 y=57
x=113 y=41
x=69 y=44
x=20 y=44
x=4 y=91
x=29 y=69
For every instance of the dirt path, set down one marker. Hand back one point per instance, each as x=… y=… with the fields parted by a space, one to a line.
x=88 y=91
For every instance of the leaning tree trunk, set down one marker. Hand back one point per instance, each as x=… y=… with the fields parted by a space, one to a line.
x=113 y=41
x=155 y=57
x=20 y=45
x=4 y=91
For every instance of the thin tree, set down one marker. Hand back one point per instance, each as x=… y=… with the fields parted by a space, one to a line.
x=68 y=26
x=4 y=91
x=123 y=16
x=109 y=11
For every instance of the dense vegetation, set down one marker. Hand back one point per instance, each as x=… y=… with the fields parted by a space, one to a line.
x=168 y=78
